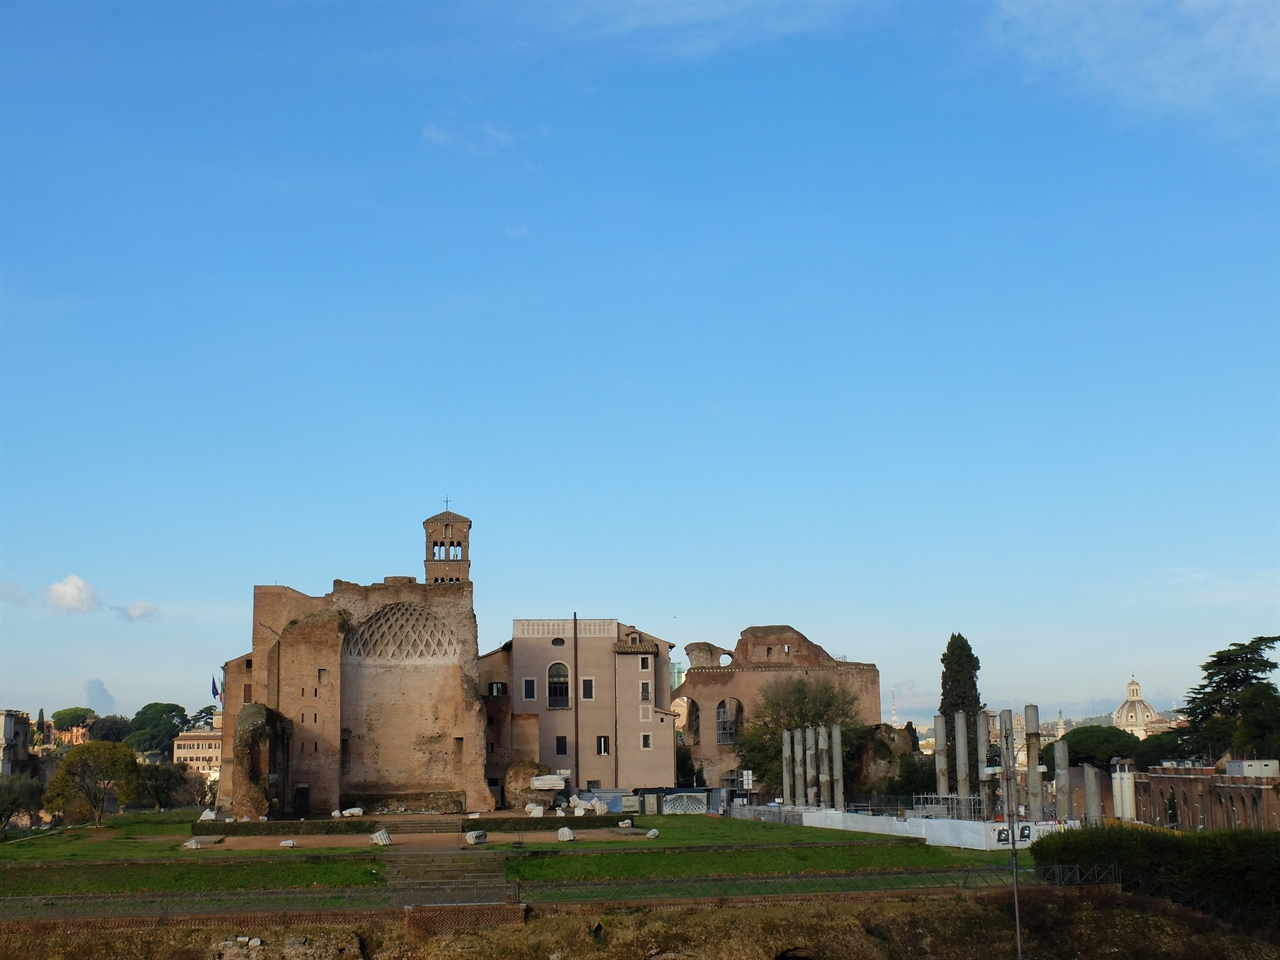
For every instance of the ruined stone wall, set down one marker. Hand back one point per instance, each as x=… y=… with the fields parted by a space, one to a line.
x=411 y=711
x=310 y=670
x=761 y=655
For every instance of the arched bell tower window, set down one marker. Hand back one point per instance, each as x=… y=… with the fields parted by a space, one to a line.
x=558 y=686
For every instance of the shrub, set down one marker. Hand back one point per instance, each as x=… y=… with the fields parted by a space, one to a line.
x=1238 y=867
x=283 y=828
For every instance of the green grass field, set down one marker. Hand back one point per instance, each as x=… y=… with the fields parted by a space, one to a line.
x=137 y=836
x=119 y=878
x=748 y=862
x=695 y=831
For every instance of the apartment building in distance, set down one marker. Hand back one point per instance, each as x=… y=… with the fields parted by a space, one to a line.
x=590 y=697
x=201 y=749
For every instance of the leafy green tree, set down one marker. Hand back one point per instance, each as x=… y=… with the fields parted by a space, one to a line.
x=687 y=773
x=18 y=794
x=1232 y=707
x=155 y=726
x=159 y=782
x=1094 y=745
x=916 y=774
x=914 y=734
x=1173 y=745
x=960 y=666
x=1258 y=731
x=788 y=703
x=114 y=728
x=203 y=717
x=89 y=772
x=71 y=717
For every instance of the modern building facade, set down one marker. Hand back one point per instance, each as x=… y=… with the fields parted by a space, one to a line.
x=586 y=697
x=201 y=749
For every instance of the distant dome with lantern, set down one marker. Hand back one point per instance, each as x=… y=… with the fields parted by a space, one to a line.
x=1135 y=715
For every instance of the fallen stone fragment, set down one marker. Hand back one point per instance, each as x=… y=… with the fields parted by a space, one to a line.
x=476 y=836
x=652 y=835
x=381 y=838
x=565 y=833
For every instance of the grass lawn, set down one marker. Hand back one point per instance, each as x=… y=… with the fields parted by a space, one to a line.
x=137 y=836
x=697 y=831
x=666 y=863
x=113 y=878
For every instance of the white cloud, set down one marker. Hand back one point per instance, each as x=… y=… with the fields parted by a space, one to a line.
x=137 y=611
x=499 y=138
x=689 y=30
x=72 y=594
x=12 y=593
x=1202 y=55
x=434 y=134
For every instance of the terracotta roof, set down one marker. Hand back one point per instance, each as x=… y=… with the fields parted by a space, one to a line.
x=448 y=516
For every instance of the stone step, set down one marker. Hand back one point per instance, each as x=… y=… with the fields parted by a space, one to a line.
x=422 y=825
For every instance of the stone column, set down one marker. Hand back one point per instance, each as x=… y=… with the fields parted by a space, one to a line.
x=810 y=769
x=1092 y=796
x=786 y=768
x=824 y=767
x=940 y=754
x=1035 y=793
x=962 y=757
x=797 y=761
x=1009 y=781
x=837 y=767
x=1062 y=778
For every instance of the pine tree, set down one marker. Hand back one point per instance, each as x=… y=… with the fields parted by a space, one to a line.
x=960 y=668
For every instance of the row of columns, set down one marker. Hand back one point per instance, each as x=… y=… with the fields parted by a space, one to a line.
x=1035 y=784
x=813 y=767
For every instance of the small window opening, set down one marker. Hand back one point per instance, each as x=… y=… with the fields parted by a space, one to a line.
x=248 y=663
x=562 y=746
x=558 y=642
x=602 y=746
x=588 y=688
x=644 y=663
x=646 y=741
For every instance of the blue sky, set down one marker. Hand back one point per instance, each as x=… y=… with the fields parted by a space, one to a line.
x=882 y=320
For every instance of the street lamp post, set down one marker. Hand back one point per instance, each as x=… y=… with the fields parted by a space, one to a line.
x=1008 y=772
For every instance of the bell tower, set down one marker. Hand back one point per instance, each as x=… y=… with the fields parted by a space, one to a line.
x=448 y=548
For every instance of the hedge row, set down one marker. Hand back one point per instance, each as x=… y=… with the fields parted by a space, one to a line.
x=1240 y=867
x=281 y=828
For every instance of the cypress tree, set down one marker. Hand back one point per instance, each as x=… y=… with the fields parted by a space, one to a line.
x=960 y=668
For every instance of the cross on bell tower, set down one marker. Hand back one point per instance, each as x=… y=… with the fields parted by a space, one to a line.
x=448 y=548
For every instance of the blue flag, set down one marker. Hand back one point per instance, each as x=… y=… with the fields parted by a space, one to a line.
x=216 y=694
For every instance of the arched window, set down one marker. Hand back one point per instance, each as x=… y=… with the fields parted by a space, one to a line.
x=693 y=725
x=557 y=686
x=728 y=714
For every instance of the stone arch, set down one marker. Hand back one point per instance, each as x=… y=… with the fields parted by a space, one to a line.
x=728 y=721
x=692 y=723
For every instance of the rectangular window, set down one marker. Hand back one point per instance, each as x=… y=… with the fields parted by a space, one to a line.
x=498 y=690
x=322 y=676
x=248 y=693
x=602 y=746
x=644 y=663
x=644 y=691
x=593 y=784
x=588 y=688
x=562 y=746
x=530 y=688
x=646 y=741
x=488 y=748
x=248 y=663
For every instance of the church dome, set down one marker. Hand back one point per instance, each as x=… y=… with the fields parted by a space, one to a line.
x=402 y=631
x=1135 y=713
